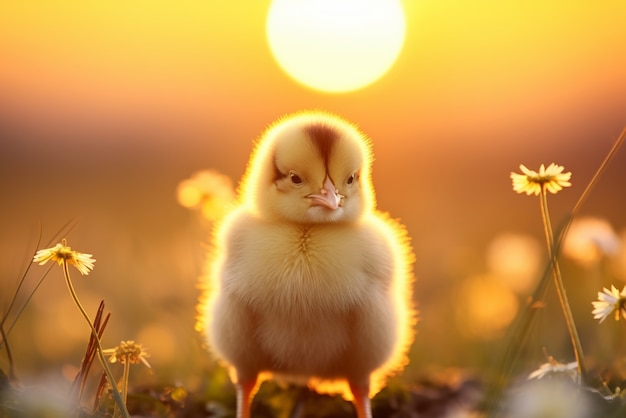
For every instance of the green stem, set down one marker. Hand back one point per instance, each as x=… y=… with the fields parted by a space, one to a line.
x=116 y=393
x=5 y=341
x=17 y=290
x=125 y=379
x=560 y=288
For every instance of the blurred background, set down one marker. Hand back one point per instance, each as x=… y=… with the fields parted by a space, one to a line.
x=105 y=107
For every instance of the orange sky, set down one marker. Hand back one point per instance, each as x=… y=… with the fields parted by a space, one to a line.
x=186 y=58
x=479 y=87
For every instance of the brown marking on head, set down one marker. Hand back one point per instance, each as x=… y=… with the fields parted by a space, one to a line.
x=323 y=137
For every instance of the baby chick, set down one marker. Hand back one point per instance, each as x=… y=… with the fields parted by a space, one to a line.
x=309 y=282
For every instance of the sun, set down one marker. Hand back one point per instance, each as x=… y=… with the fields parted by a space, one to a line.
x=335 y=45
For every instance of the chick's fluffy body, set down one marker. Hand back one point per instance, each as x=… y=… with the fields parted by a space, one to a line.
x=305 y=295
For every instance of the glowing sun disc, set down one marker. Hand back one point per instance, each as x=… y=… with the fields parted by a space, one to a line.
x=335 y=45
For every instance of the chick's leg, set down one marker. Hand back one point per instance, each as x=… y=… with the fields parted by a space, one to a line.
x=245 y=391
x=360 y=392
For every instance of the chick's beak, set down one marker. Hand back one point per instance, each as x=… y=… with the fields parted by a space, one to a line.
x=327 y=197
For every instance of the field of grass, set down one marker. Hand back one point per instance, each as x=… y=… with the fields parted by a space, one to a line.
x=564 y=303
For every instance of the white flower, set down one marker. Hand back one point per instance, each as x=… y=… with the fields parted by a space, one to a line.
x=128 y=352
x=553 y=367
x=61 y=253
x=551 y=179
x=610 y=301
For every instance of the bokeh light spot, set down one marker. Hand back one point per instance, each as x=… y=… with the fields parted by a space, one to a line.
x=516 y=260
x=485 y=307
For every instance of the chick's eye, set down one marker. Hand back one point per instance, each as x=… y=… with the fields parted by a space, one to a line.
x=295 y=179
x=353 y=177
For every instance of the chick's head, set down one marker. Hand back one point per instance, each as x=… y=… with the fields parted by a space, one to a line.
x=310 y=167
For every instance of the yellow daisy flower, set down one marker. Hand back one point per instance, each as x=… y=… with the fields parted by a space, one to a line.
x=61 y=253
x=551 y=178
x=128 y=351
x=610 y=301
